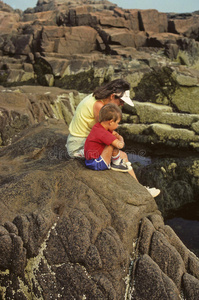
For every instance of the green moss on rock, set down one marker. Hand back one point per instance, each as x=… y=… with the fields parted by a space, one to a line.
x=3 y=77
x=167 y=132
x=186 y=99
x=157 y=85
x=150 y=112
x=84 y=82
x=41 y=68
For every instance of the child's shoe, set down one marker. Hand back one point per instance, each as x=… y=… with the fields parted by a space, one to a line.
x=122 y=167
x=153 y=191
x=128 y=163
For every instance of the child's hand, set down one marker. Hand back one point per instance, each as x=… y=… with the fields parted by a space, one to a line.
x=119 y=137
x=115 y=134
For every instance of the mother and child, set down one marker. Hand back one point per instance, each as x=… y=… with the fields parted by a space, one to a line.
x=92 y=130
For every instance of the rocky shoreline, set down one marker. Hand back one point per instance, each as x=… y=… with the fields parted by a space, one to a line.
x=70 y=233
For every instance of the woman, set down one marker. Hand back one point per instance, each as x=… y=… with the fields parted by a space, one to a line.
x=87 y=113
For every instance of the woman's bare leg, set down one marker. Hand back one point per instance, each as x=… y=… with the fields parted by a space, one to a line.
x=124 y=156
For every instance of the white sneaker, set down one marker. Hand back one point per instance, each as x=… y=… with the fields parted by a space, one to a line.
x=128 y=163
x=153 y=191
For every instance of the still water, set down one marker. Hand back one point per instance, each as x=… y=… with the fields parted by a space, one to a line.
x=185 y=223
x=185 y=220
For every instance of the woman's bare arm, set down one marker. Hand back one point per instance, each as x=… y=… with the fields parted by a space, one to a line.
x=96 y=108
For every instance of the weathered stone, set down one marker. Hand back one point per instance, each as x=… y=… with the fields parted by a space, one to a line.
x=20 y=110
x=85 y=224
x=167 y=258
x=177 y=243
x=193 y=264
x=161 y=40
x=195 y=126
x=179 y=119
x=5 y=251
x=191 y=287
x=133 y=16
x=46 y=18
x=150 y=281
x=49 y=79
x=187 y=100
x=69 y=41
x=146 y=232
x=154 y=111
x=129 y=129
x=153 y=21
x=188 y=26
x=11 y=227
x=169 y=176
x=186 y=80
x=123 y=37
x=72 y=231
x=112 y=21
x=167 y=132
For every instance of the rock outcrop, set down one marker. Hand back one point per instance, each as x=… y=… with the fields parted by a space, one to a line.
x=68 y=232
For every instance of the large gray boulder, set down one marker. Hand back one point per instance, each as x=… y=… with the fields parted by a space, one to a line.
x=67 y=231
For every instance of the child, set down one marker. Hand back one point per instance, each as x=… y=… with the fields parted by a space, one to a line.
x=103 y=144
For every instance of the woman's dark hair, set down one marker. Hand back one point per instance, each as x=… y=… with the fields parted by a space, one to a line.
x=118 y=86
x=109 y=112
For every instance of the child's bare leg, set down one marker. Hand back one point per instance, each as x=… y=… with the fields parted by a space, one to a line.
x=115 y=151
x=107 y=154
x=124 y=156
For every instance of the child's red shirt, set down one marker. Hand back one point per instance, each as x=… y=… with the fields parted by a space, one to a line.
x=96 y=141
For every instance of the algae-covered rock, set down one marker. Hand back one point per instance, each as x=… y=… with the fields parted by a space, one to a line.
x=186 y=99
x=131 y=129
x=195 y=127
x=49 y=79
x=179 y=119
x=127 y=118
x=186 y=80
x=84 y=81
x=177 y=178
x=167 y=132
x=156 y=85
x=150 y=112
x=163 y=134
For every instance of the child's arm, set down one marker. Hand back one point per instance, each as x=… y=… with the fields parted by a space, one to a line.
x=118 y=143
x=119 y=137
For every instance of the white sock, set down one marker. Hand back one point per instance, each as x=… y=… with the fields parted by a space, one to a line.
x=116 y=159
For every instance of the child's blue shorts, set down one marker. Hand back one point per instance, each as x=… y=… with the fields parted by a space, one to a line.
x=97 y=164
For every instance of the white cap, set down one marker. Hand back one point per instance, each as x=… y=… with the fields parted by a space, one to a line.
x=126 y=98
